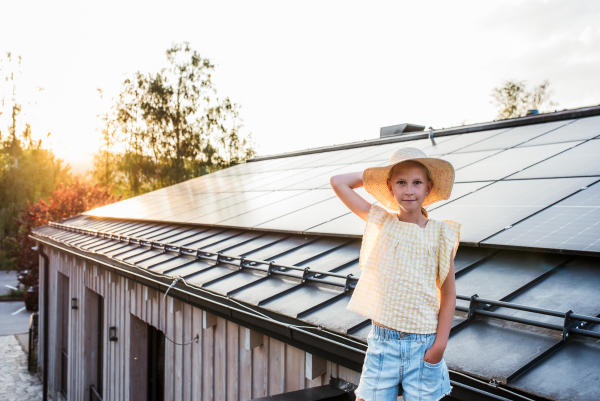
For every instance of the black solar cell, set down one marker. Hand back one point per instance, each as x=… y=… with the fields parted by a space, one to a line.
x=509 y=162
x=515 y=136
x=571 y=224
x=504 y=203
x=579 y=161
x=580 y=130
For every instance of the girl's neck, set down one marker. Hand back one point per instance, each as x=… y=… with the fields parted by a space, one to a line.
x=413 y=217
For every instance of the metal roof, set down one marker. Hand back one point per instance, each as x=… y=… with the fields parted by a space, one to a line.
x=515 y=332
x=268 y=243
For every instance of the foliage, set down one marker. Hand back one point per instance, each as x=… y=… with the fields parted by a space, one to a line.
x=170 y=127
x=513 y=99
x=65 y=202
x=27 y=170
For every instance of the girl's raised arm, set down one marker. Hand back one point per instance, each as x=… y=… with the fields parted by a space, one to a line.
x=343 y=186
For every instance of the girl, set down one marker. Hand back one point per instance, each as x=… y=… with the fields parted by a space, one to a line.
x=407 y=286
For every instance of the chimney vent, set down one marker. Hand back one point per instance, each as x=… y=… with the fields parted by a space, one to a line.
x=401 y=129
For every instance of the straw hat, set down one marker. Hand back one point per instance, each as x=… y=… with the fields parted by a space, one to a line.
x=440 y=171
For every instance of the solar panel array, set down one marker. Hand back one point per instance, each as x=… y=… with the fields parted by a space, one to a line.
x=503 y=176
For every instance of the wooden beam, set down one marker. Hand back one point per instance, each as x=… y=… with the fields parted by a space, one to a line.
x=252 y=339
x=315 y=366
x=208 y=320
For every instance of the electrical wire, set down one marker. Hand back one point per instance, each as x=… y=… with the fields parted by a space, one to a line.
x=163 y=308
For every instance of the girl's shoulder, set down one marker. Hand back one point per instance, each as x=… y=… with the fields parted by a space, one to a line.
x=446 y=227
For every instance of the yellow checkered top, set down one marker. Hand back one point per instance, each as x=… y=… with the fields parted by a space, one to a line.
x=404 y=267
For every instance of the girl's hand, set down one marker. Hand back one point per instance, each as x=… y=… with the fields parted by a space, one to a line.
x=434 y=354
x=343 y=186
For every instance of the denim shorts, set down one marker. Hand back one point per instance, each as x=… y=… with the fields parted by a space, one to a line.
x=395 y=358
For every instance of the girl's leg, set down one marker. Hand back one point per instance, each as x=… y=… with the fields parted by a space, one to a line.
x=380 y=376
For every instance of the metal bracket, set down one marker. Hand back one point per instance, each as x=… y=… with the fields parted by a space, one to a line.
x=270 y=268
x=219 y=256
x=569 y=324
x=242 y=261
x=348 y=285
x=474 y=305
x=305 y=274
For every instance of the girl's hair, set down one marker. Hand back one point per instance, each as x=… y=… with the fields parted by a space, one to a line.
x=423 y=211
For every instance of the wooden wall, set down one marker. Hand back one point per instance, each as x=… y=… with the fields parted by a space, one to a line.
x=218 y=367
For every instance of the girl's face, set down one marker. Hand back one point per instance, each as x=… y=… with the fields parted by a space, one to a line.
x=409 y=185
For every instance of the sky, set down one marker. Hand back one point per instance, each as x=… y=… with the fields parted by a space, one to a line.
x=306 y=74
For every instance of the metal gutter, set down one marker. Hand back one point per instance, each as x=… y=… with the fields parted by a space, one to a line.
x=510 y=123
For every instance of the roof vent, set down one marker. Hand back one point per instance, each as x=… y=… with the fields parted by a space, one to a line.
x=532 y=112
x=401 y=129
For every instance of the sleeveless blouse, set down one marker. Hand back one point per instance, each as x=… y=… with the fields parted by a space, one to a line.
x=404 y=267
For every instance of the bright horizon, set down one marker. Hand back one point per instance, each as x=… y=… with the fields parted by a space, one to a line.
x=307 y=74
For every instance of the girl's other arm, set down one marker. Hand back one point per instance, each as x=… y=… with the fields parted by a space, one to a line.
x=343 y=186
x=447 y=304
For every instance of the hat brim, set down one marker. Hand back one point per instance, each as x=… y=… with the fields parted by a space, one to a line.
x=440 y=171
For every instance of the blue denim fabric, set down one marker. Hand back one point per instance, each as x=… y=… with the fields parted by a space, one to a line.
x=392 y=359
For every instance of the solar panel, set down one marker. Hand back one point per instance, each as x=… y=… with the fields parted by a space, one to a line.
x=491 y=209
x=458 y=142
x=580 y=130
x=422 y=144
x=322 y=180
x=581 y=160
x=191 y=213
x=244 y=207
x=572 y=224
x=368 y=152
x=460 y=189
x=509 y=162
x=348 y=224
x=514 y=136
x=460 y=160
x=337 y=156
x=308 y=217
x=278 y=209
x=292 y=180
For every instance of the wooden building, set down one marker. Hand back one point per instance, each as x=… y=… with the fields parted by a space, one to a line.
x=234 y=285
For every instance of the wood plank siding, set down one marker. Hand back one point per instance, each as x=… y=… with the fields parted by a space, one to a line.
x=221 y=366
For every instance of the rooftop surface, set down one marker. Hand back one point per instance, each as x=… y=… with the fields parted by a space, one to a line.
x=270 y=238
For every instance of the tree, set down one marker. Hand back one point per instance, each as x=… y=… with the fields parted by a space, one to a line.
x=513 y=99
x=27 y=170
x=65 y=202
x=171 y=127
